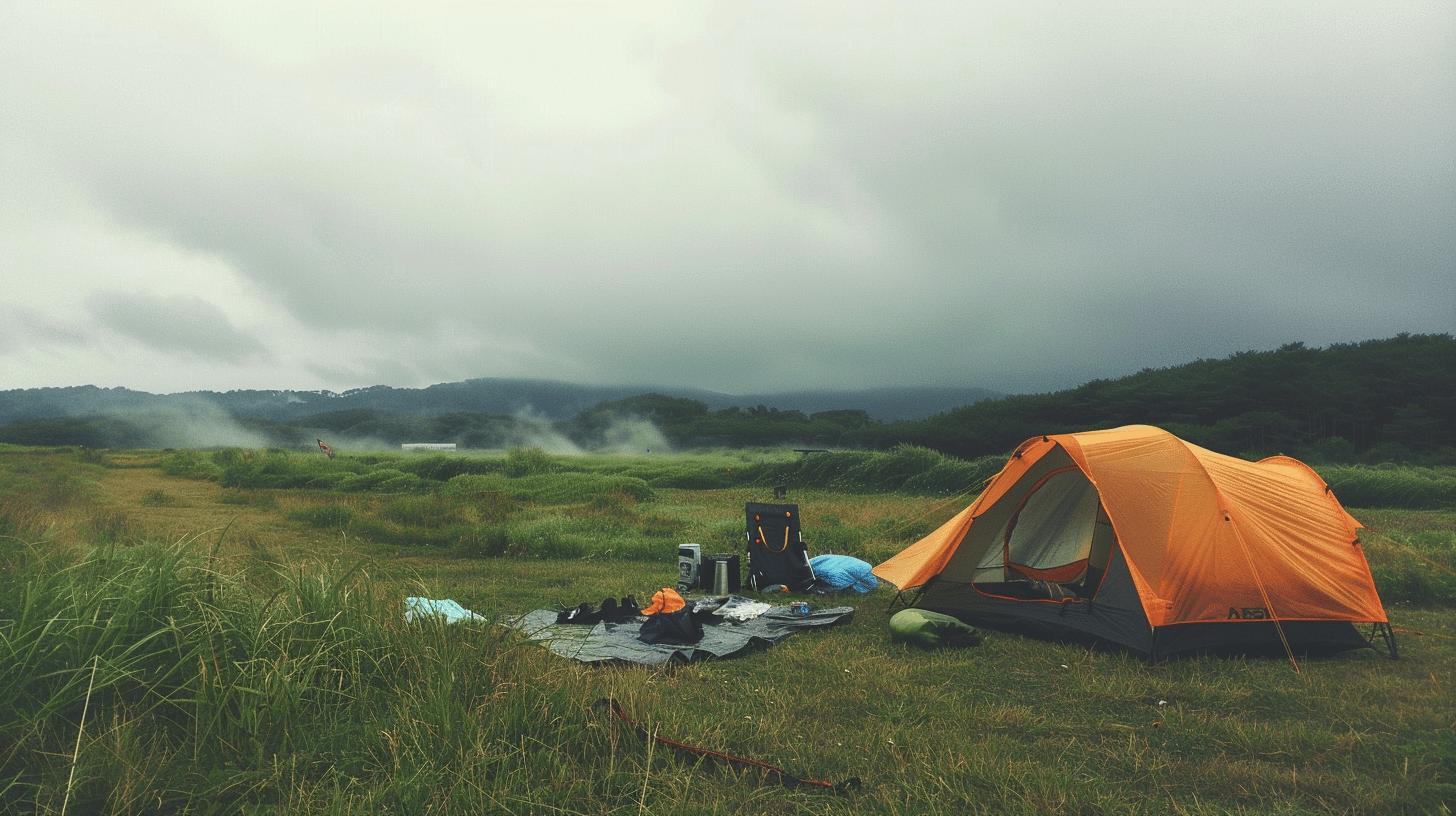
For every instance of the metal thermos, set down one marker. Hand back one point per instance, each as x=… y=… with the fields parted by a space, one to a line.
x=720 y=577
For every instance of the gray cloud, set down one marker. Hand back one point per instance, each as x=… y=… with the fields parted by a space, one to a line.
x=1020 y=196
x=22 y=328
x=178 y=325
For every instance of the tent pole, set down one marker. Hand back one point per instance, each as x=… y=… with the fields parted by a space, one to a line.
x=1387 y=635
x=899 y=596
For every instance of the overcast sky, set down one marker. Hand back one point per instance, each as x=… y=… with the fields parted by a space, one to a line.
x=734 y=196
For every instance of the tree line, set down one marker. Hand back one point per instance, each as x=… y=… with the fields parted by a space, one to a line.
x=1379 y=399
x=1390 y=399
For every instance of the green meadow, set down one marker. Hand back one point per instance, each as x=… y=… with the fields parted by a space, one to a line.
x=221 y=632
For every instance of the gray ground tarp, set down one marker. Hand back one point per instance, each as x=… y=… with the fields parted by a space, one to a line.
x=607 y=642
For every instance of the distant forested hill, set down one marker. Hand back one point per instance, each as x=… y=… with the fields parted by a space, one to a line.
x=546 y=399
x=888 y=404
x=1393 y=398
x=1375 y=400
x=481 y=413
x=1383 y=399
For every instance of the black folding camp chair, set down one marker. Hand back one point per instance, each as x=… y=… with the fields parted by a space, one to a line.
x=776 y=550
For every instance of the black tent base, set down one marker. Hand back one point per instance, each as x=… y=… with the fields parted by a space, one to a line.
x=1258 y=638
x=1251 y=638
x=1115 y=617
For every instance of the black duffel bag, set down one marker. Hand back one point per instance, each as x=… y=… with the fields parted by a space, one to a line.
x=671 y=627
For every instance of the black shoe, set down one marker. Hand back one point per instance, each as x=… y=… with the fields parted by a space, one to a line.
x=629 y=608
x=581 y=614
x=609 y=610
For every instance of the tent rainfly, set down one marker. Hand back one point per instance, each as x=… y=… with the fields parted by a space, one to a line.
x=1135 y=537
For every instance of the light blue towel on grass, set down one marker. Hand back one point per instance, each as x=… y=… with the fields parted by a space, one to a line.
x=452 y=612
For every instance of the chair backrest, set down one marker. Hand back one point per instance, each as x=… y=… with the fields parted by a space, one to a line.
x=776 y=550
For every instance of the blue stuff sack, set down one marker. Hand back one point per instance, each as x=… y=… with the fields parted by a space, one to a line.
x=843 y=572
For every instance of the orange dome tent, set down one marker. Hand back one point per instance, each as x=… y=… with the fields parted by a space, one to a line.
x=1137 y=537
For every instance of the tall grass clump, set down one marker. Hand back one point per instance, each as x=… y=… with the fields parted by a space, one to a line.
x=51 y=491
x=555 y=537
x=325 y=516
x=571 y=488
x=551 y=537
x=282 y=469
x=381 y=480
x=93 y=456
x=191 y=464
x=488 y=500
x=1390 y=485
x=200 y=695
x=444 y=468
x=433 y=520
x=422 y=511
x=247 y=498
x=109 y=526
x=158 y=498
x=906 y=468
x=483 y=541
x=471 y=487
x=693 y=473
x=565 y=487
x=1414 y=565
x=19 y=522
x=529 y=462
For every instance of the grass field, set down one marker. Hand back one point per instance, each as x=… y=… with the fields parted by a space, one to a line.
x=230 y=625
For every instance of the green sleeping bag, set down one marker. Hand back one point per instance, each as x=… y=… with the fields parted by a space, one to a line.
x=931 y=630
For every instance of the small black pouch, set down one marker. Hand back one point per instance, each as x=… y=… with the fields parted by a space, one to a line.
x=671 y=627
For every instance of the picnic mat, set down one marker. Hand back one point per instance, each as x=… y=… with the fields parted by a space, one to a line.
x=617 y=642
